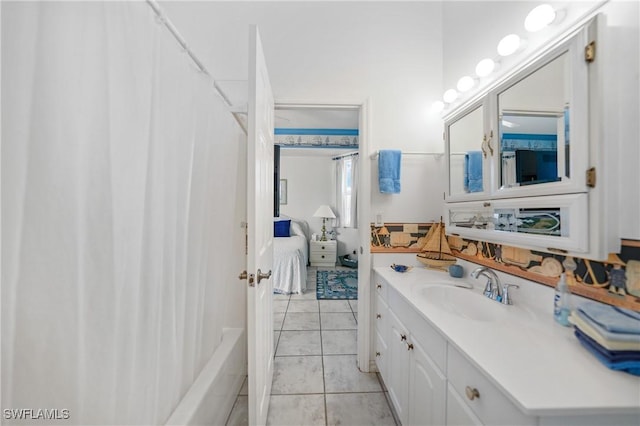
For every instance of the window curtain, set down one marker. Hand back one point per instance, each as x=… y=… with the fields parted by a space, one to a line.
x=114 y=150
x=347 y=191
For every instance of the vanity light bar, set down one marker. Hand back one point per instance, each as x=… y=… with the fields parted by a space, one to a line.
x=538 y=18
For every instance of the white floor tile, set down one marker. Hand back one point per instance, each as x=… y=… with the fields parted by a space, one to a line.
x=240 y=413
x=303 y=306
x=277 y=296
x=280 y=305
x=297 y=375
x=337 y=321
x=296 y=410
x=354 y=305
x=334 y=306
x=299 y=343
x=339 y=342
x=358 y=409
x=278 y=319
x=245 y=387
x=302 y=321
x=309 y=294
x=342 y=375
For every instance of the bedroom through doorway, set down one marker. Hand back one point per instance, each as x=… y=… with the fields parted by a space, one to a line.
x=316 y=240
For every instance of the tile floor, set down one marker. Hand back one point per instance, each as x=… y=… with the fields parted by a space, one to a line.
x=315 y=380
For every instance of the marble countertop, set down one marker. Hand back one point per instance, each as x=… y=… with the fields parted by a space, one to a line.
x=537 y=363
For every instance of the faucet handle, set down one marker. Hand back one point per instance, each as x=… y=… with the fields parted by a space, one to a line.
x=488 y=288
x=506 y=296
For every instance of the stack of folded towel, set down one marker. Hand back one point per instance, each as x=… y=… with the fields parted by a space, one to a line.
x=611 y=334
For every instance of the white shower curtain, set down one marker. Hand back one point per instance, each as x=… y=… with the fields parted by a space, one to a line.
x=347 y=191
x=118 y=189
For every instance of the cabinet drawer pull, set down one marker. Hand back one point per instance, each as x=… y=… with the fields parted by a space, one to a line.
x=409 y=346
x=379 y=286
x=378 y=316
x=322 y=247
x=322 y=256
x=403 y=337
x=377 y=353
x=472 y=393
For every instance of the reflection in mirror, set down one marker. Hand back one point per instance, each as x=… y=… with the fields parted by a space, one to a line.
x=533 y=127
x=465 y=155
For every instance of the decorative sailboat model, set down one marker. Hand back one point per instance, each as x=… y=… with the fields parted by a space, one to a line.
x=436 y=252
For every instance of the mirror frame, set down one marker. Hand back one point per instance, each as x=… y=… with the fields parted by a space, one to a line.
x=572 y=44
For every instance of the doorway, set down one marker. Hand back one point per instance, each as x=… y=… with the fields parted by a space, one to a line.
x=348 y=115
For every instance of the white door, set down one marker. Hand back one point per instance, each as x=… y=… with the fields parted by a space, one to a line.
x=259 y=233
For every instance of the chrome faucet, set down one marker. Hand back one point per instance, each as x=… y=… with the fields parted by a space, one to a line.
x=493 y=289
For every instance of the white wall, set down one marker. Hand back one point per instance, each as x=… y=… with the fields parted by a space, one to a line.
x=473 y=29
x=311 y=182
x=387 y=52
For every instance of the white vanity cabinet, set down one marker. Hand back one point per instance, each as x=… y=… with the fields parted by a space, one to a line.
x=416 y=384
x=526 y=160
x=442 y=368
x=381 y=318
x=473 y=397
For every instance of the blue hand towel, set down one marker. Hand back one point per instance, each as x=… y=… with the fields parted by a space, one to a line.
x=609 y=318
x=389 y=171
x=632 y=367
x=628 y=312
x=473 y=171
x=611 y=356
x=604 y=333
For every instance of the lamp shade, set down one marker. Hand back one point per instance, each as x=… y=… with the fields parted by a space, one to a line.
x=324 y=211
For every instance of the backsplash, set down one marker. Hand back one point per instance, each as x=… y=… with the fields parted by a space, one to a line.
x=615 y=282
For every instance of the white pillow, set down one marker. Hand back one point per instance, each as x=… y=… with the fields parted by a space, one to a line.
x=296 y=229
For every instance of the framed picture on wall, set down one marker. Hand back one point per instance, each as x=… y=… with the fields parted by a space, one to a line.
x=283 y=191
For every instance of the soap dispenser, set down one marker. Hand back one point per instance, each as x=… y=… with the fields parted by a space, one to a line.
x=561 y=302
x=562 y=298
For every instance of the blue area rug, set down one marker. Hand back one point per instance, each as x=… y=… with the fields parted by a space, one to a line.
x=337 y=285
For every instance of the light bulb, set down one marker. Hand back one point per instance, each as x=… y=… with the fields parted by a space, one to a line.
x=465 y=83
x=437 y=107
x=539 y=18
x=508 y=45
x=485 y=67
x=450 y=96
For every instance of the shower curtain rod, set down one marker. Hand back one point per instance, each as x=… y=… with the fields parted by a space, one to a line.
x=351 y=154
x=437 y=154
x=174 y=32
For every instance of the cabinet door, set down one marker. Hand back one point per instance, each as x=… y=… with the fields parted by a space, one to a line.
x=541 y=114
x=381 y=314
x=427 y=389
x=458 y=413
x=557 y=222
x=398 y=367
x=467 y=152
x=382 y=354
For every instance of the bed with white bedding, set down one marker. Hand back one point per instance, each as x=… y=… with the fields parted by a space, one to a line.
x=290 y=258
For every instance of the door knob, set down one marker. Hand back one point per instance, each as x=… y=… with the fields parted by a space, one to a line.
x=472 y=393
x=263 y=276
x=244 y=276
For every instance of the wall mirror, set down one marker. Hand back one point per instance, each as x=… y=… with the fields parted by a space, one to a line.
x=533 y=123
x=465 y=153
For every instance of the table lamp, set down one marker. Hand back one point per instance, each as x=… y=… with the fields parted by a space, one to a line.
x=325 y=213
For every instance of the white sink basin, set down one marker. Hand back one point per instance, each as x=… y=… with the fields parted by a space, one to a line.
x=462 y=302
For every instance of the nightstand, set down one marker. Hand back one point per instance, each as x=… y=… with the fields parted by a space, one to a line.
x=323 y=253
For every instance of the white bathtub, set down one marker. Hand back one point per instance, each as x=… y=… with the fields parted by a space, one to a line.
x=210 y=399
